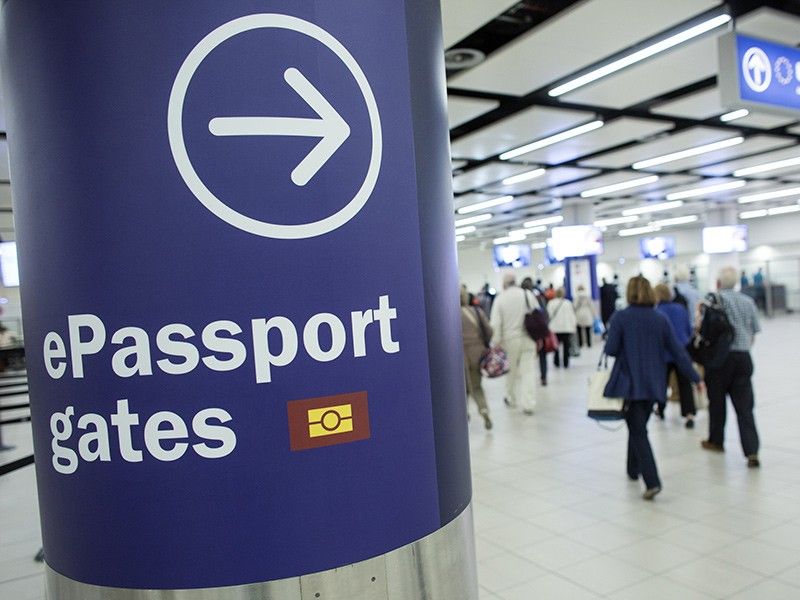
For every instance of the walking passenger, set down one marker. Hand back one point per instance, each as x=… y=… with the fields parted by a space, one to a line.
x=508 y=322
x=563 y=324
x=476 y=334
x=584 y=314
x=733 y=377
x=641 y=338
x=678 y=316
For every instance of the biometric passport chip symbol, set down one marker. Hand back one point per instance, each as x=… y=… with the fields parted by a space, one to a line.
x=328 y=420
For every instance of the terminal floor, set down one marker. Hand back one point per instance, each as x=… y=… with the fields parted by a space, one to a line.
x=556 y=517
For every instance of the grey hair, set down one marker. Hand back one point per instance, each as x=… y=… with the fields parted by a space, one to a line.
x=728 y=278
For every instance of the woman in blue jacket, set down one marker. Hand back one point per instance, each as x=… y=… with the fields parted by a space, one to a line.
x=642 y=340
x=678 y=317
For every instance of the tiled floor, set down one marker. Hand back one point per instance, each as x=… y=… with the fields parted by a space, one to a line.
x=556 y=517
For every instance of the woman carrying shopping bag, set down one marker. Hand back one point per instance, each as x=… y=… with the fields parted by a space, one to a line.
x=642 y=340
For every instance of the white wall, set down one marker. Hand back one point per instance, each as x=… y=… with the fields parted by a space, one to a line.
x=772 y=239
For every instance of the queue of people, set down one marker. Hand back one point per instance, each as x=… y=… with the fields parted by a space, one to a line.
x=650 y=340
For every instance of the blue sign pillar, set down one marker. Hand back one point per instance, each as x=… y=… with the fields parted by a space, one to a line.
x=240 y=297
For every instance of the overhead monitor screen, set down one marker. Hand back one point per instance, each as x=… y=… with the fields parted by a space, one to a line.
x=725 y=239
x=657 y=247
x=512 y=255
x=577 y=240
x=9 y=272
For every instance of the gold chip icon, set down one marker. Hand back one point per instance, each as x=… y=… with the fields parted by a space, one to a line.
x=330 y=420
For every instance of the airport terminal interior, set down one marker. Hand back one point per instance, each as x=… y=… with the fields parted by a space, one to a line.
x=592 y=141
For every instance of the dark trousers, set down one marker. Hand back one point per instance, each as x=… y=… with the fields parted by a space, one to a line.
x=588 y=331
x=640 y=455
x=543 y=364
x=685 y=392
x=563 y=347
x=732 y=379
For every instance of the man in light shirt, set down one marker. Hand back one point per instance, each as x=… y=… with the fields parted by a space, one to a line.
x=508 y=321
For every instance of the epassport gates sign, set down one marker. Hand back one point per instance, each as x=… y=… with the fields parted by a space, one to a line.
x=238 y=286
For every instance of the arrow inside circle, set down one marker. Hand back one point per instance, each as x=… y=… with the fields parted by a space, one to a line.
x=330 y=127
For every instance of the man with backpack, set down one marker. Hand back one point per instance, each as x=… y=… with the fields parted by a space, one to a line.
x=729 y=369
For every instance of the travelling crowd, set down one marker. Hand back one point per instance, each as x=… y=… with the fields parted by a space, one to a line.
x=666 y=337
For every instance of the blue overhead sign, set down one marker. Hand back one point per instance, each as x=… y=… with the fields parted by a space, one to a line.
x=240 y=286
x=759 y=74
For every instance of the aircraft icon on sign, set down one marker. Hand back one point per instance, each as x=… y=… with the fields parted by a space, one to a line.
x=757 y=69
x=330 y=127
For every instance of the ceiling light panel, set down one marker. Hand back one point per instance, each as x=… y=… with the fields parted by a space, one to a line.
x=459 y=18
x=552 y=177
x=626 y=185
x=727 y=168
x=768 y=167
x=759 y=143
x=653 y=207
x=537 y=58
x=613 y=221
x=685 y=220
x=734 y=115
x=484 y=205
x=684 y=65
x=490 y=173
x=638 y=230
x=783 y=192
x=473 y=220
x=524 y=127
x=552 y=220
x=696 y=136
x=616 y=132
x=708 y=189
x=460 y=110
x=551 y=140
x=672 y=157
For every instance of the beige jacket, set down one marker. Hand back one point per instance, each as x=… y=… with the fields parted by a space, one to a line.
x=471 y=333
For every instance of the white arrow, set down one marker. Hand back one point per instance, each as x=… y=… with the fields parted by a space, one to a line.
x=330 y=127
x=756 y=64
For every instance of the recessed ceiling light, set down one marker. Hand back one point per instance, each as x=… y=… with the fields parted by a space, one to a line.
x=734 y=114
x=770 y=166
x=544 y=221
x=465 y=230
x=553 y=139
x=528 y=230
x=696 y=151
x=675 y=221
x=638 y=230
x=484 y=205
x=634 y=57
x=615 y=221
x=770 y=195
x=472 y=220
x=523 y=177
x=703 y=191
x=649 y=208
x=617 y=187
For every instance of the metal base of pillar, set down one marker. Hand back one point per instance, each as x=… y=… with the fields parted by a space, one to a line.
x=439 y=566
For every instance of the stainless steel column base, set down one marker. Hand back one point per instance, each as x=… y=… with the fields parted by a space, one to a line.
x=440 y=566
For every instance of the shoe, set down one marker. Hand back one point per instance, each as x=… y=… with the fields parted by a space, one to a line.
x=507 y=402
x=528 y=412
x=660 y=411
x=651 y=493
x=689 y=423
x=487 y=422
x=753 y=462
x=544 y=382
x=633 y=477
x=708 y=445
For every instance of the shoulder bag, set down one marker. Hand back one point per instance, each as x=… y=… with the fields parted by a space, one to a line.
x=599 y=407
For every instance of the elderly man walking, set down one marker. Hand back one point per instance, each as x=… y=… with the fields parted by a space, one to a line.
x=508 y=323
x=733 y=377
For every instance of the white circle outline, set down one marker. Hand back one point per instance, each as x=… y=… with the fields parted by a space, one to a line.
x=178 y=146
x=767 y=74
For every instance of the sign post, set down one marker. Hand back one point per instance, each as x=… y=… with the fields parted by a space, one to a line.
x=240 y=298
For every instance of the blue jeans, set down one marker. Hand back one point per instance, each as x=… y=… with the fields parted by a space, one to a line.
x=640 y=455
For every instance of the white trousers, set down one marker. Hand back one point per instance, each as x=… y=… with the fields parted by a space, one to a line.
x=521 y=377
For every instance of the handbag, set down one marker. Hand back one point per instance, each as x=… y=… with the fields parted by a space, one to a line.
x=599 y=407
x=494 y=362
x=535 y=322
x=599 y=328
x=550 y=343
